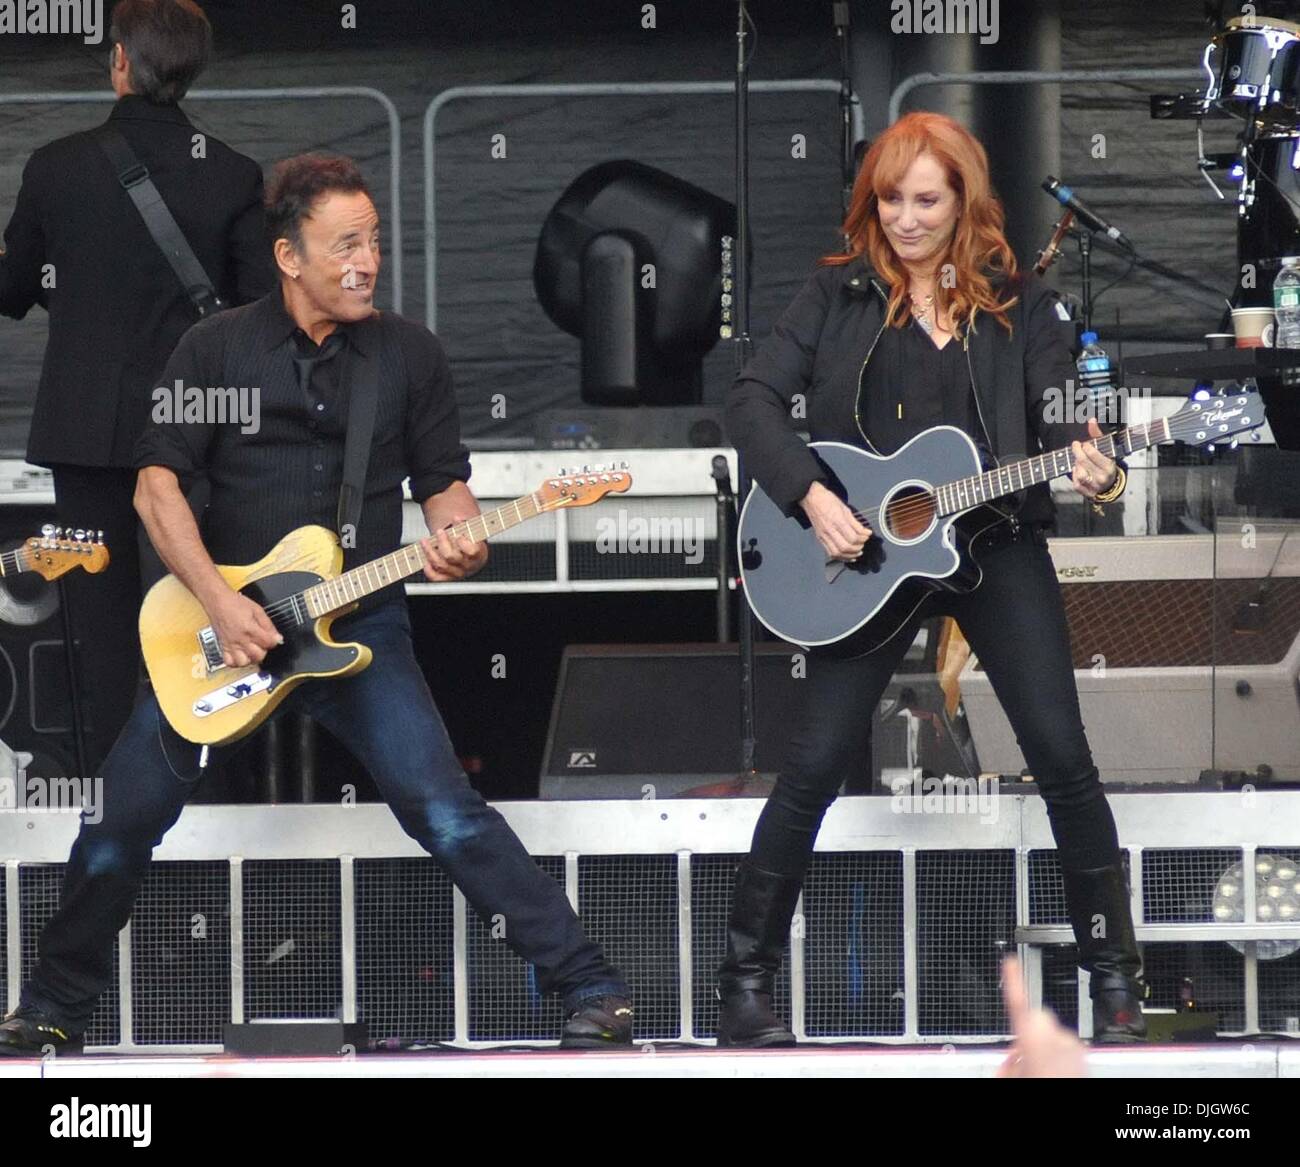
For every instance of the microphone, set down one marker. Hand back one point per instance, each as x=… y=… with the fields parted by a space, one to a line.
x=1090 y=219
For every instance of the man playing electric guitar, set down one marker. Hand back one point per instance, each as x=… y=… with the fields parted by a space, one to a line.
x=305 y=350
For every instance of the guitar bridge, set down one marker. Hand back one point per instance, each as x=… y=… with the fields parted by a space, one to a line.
x=231 y=694
x=210 y=649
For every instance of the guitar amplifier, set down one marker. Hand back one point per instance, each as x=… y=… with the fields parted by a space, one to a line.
x=1182 y=664
x=35 y=701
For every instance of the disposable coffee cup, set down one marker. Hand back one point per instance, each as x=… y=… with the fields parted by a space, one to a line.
x=1249 y=325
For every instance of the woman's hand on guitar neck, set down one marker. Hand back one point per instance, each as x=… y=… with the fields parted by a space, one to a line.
x=1093 y=471
x=243 y=629
x=841 y=535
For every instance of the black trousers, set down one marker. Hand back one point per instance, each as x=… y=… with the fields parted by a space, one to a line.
x=1015 y=623
x=103 y=608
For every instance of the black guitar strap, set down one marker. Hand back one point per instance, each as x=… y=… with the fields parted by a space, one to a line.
x=162 y=226
x=363 y=399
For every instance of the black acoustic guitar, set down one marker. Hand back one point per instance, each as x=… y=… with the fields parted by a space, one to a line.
x=926 y=505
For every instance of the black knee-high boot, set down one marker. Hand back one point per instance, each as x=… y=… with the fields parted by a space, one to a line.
x=761 y=910
x=1098 y=903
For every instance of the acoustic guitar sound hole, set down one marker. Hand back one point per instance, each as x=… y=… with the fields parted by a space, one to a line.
x=910 y=513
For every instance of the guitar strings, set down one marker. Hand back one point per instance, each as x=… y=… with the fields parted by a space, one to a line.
x=286 y=606
x=913 y=507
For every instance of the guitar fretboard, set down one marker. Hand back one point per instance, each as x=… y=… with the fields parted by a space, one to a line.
x=965 y=493
x=12 y=562
x=332 y=594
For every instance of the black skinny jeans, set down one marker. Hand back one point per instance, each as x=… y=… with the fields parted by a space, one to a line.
x=1015 y=623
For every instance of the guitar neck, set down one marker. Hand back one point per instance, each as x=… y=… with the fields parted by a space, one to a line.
x=12 y=562
x=333 y=594
x=965 y=493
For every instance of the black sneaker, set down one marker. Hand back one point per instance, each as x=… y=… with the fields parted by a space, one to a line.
x=27 y=1032
x=599 y=1023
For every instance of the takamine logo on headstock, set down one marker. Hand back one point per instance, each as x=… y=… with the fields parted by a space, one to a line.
x=1218 y=415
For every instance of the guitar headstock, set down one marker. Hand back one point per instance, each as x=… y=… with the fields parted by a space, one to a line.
x=1217 y=418
x=580 y=488
x=56 y=551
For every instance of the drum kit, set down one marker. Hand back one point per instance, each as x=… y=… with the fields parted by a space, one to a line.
x=1252 y=71
x=1252 y=68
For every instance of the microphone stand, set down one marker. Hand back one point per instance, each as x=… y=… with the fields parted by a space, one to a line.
x=1085 y=259
x=741 y=349
x=840 y=11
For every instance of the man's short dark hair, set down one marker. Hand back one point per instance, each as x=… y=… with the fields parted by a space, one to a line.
x=168 y=43
x=298 y=183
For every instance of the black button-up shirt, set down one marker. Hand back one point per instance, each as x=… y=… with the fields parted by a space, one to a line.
x=286 y=471
x=927 y=385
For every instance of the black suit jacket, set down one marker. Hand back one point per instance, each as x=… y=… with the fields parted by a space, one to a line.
x=116 y=308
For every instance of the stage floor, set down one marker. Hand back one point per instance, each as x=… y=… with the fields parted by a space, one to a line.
x=1228 y=1059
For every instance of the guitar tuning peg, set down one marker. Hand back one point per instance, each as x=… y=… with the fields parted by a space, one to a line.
x=560 y=472
x=99 y=536
x=47 y=529
x=79 y=535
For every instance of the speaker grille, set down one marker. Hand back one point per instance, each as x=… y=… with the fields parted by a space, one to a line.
x=853 y=944
x=180 y=955
x=1171 y=623
x=713 y=880
x=629 y=906
x=38 y=899
x=405 y=958
x=1178 y=885
x=292 y=941
x=504 y=1004
x=966 y=908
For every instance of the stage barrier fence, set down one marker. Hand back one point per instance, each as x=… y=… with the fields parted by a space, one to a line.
x=262 y=913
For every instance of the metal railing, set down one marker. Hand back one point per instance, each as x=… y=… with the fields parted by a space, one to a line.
x=1032 y=77
x=688 y=832
x=628 y=89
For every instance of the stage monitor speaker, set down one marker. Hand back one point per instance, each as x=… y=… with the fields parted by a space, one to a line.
x=659 y=721
x=653 y=721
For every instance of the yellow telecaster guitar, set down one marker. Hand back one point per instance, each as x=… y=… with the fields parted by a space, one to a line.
x=54 y=552
x=300 y=586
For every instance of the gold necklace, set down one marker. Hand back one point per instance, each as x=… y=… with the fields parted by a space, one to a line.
x=922 y=311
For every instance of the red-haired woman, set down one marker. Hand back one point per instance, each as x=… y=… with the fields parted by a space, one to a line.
x=926 y=322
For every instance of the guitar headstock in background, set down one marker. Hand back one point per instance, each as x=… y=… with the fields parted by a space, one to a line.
x=580 y=488
x=56 y=551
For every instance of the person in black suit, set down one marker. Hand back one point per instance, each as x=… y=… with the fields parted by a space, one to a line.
x=77 y=246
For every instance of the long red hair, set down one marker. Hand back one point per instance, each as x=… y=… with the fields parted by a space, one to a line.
x=978 y=249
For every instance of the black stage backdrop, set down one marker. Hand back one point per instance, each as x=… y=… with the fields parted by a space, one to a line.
x=489 y=210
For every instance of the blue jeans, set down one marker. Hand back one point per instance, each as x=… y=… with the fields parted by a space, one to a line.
x=386 y=716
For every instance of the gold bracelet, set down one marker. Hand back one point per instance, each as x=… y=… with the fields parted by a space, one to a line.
x=1116 y=489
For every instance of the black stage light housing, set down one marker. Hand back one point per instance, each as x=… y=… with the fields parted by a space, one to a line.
x=629 y=260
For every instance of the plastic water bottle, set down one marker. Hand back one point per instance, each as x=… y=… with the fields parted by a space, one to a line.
x=1094 y=377
x=1286 y=305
